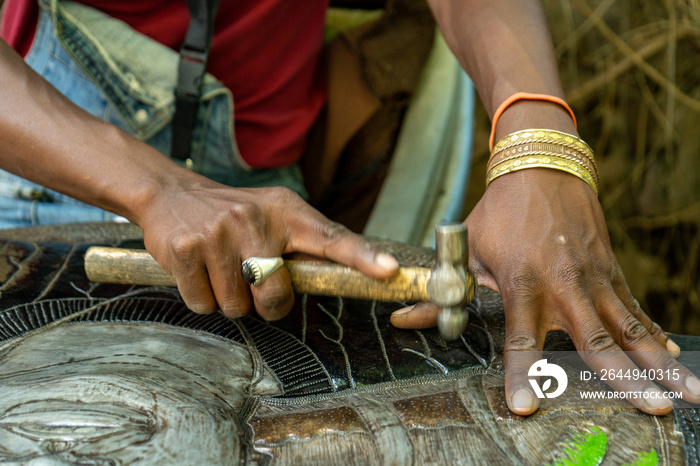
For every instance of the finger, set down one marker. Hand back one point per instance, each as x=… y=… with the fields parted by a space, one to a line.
x=181 y=259
x=600 y=352
x=646 y=352
x=614 y=361
x=328 y=239
x=193 y=285
x=231 y=292
x=523 y=348
x=652 y=327
x=420 y=315
x=274 y=297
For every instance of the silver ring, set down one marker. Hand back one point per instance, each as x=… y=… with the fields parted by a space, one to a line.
x=255 y=270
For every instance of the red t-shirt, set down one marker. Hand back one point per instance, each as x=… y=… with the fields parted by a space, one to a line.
x=265 y=51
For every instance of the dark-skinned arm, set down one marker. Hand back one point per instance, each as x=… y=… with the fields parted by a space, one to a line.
x=198 y=230
x=538 y=236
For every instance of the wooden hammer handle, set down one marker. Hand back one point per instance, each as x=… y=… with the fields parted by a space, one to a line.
x=137 y=267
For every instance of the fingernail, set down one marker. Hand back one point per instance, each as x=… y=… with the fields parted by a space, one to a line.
x=386 y=261
x=405 y=310
x=655 y=399
x=522 y=401
x=673 y=348
x=693 y=385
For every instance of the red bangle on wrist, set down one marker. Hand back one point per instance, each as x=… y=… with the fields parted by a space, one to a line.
x=524 y=96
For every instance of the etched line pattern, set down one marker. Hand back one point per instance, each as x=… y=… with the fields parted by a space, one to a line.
x=426 y=354
x=380 y=339
x=336 y=321
x=432 y=361
x=255 y=356
x=89 y=292
x=304 y=317
x=24 y=318
x=474 y=307
x=293 y=362
x=471 y=351
x=18 y=266
x=57 y=275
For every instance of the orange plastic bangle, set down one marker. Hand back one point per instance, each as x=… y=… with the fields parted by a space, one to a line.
x=525 y=96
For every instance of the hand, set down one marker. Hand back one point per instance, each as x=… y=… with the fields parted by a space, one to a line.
x=538 y=237
x=200 y=231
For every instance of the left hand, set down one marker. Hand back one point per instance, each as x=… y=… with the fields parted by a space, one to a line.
x=538 y=237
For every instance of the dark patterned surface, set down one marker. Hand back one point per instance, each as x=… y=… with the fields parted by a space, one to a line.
x=324 y=347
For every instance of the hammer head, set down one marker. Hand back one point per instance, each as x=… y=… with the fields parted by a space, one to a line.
x=451 y=286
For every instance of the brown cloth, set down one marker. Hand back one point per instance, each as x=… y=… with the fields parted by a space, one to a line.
x=391 y=53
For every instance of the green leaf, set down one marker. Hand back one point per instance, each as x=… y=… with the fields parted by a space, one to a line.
x=646 y=458
x=584 y=448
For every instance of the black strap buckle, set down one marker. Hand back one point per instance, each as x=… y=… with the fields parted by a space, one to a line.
x=190 y=72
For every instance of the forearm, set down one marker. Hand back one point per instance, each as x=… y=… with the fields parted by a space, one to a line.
x=47 y=139
x=505 y=47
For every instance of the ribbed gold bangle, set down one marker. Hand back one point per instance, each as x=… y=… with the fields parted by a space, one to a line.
x=544 y=148
x=550 y=135
x=542 y=161
x=545 y=136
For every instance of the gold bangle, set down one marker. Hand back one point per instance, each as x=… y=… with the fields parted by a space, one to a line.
x=584 y=150
x=542 y=161
x=545 y=136
x=544 y=148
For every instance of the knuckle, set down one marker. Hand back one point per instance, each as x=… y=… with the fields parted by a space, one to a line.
x=526 y=282
x=274 y=301
x=637 y=311
x=656 y=330
x=666 y=363
x=568 y=274
x=283 y=195
x=521 y=343
x=599 y=341
x=244 y=212
x=184 y=246
x=632 y=331
x=248 y=218
x=669 y=363
x=616 y=274
x=332 y=232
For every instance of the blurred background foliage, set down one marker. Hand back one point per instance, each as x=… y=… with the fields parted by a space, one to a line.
x=631 y=72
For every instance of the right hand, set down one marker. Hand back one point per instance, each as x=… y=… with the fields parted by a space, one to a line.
x=201 y=231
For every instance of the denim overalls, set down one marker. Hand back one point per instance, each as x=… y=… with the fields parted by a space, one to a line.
x=126 y=79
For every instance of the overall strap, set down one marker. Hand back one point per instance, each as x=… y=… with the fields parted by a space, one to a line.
x=191 y=68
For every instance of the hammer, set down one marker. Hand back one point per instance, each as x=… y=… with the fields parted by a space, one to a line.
x=449 y=285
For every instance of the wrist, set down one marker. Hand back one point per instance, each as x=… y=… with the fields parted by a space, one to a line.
x=527 y=114
x=133 y=176
x=151 y=188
